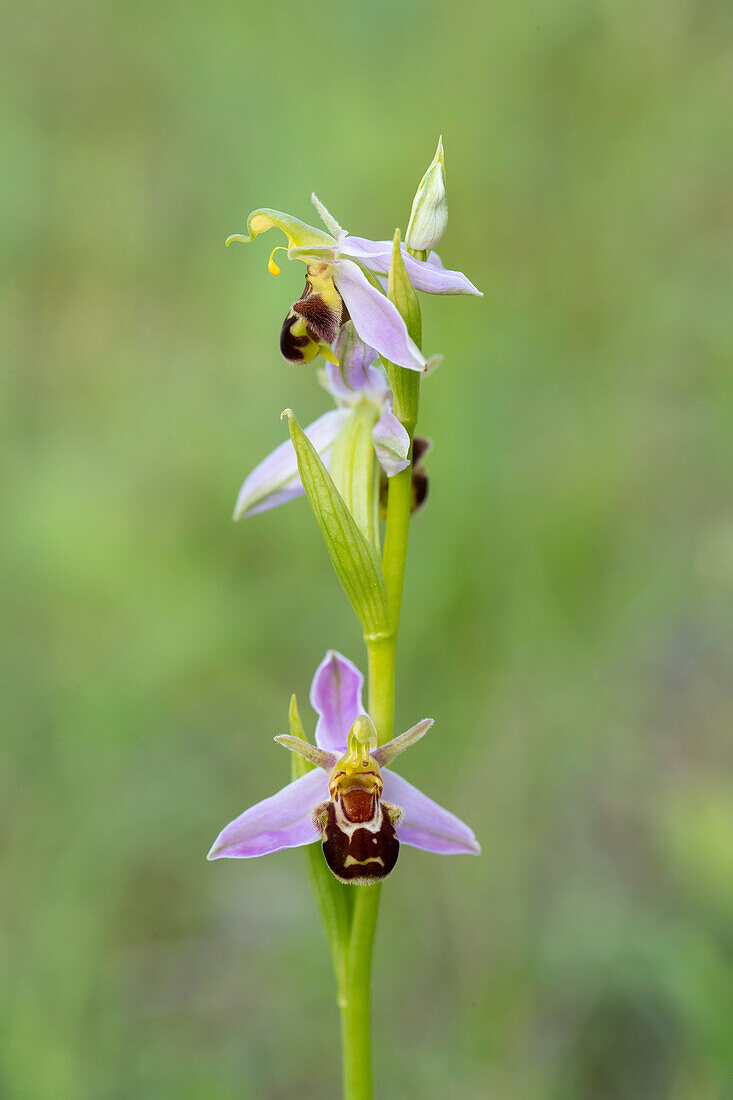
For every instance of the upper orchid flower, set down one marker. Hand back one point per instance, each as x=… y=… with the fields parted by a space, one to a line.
x=357 y=383
x=343 y=274
x=359 y=810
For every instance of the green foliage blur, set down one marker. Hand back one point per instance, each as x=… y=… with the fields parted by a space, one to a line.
x=567 y=614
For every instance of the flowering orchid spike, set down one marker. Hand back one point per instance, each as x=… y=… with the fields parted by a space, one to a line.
x=319 y=757
x=385 y=754
x=360 y=813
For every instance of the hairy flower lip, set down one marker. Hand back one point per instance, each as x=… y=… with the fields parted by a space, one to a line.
x=284 y=819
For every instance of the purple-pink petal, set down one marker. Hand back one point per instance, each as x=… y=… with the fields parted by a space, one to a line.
x=391 y=443
x=425 y=824
x=276 y=480
x=281 y=821
x=429 y=276
x=376 y=319
x=336 y=698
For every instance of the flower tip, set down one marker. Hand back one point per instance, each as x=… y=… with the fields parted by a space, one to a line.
x=237 y=237
x=327 y=218
x=289 y=414
x=215 y=852
x=240 y=508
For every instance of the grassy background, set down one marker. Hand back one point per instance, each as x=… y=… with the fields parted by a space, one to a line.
x=567 y=616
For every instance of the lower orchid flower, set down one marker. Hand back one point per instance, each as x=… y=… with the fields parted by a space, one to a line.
x=359 y=386
x=359 y=810
x=343 y=279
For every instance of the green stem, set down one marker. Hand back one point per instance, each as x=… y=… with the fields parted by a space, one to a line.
x=381 y=670
x=355 y=996
x=399 y=505
x=355 y=987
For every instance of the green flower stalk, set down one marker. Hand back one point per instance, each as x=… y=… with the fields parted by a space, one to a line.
x=358 y=464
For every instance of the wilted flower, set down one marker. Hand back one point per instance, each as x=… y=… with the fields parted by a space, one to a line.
x=357 y=378
x=343 y=274
x=420 y=483
x=359 y=810
x=429 y=214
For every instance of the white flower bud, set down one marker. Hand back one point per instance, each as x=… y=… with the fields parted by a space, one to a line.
x=429 y=214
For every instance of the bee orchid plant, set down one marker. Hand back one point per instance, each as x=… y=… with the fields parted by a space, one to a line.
x=360 y=467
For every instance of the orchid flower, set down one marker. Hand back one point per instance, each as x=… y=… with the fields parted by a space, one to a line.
x=357 y=378
x=359 y=810
x=343 y=276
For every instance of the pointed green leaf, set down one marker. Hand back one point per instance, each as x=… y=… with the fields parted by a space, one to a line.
x=353 y=558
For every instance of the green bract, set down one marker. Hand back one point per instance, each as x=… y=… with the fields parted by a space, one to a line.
x=354 y=559
x=401 y=291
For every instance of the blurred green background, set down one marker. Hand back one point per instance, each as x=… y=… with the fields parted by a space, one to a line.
x=568 y=601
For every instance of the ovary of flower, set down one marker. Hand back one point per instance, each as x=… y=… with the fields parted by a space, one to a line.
x=350 y=801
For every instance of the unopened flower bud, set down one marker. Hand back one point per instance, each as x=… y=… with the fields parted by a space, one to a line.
x=429 y=214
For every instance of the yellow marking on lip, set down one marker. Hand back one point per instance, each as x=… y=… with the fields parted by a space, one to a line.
x=327 y=354
x=351 y=862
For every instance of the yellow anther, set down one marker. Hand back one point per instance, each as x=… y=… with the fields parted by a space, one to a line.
x=271 y=265
x=327 y=354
